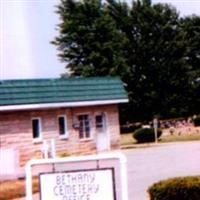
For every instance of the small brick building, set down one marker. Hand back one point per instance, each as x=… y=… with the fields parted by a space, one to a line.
x=80 y=115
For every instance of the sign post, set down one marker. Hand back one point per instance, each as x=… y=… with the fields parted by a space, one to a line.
x=155 y=126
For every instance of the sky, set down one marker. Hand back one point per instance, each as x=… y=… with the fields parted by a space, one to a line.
x=28 y=26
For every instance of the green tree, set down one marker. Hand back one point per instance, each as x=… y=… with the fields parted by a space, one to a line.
x=191 y=30
x=157 y=81
x=89 y=42
x=146 y=44
x=161 y=80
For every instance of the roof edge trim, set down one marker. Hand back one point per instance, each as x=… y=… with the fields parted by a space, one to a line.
x=62 y=104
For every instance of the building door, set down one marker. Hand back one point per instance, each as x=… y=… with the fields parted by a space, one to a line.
x=103 y=142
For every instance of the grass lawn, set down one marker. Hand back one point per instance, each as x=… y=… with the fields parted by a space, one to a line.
x=127 y=139
x=180 y=138
x=15 y=189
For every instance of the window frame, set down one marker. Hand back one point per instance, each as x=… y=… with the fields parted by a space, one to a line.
x=37 y=139
x=66 y=133
x=90 y=127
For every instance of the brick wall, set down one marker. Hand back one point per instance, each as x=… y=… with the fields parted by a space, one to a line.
x=16 y=131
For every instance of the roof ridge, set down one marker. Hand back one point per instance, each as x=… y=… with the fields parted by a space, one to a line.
x=59 y=79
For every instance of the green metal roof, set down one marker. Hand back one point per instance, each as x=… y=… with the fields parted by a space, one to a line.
x=38 y=91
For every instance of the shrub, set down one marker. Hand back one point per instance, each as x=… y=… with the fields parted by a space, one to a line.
x=197 y=120
x=186 y=188
x=146 y=135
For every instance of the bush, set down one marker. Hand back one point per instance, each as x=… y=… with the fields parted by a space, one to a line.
x=197 y=120
x=146 y=135
x=186 y=188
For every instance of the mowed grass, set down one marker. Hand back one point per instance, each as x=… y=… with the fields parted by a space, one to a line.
x=180 y=138
x=15 y=188
x=127 y=139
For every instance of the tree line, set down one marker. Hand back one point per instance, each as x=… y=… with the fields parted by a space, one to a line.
x=149 y=46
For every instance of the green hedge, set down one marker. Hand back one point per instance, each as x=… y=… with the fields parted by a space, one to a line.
x=186 y=188
x=146 y=135
x=197 y=120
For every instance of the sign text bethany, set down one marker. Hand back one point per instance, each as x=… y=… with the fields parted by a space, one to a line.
x=79 y=185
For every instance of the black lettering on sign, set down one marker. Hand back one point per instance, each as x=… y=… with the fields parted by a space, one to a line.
x=58 y=180
x=76 y=186
x=55 y=190
x=82 y=197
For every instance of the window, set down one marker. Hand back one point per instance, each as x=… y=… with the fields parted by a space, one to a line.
x=62 y=126
x=100 y=122
x=84 y=127
x=36 y=128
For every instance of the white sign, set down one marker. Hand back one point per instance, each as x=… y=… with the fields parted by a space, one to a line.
x=79 y=185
